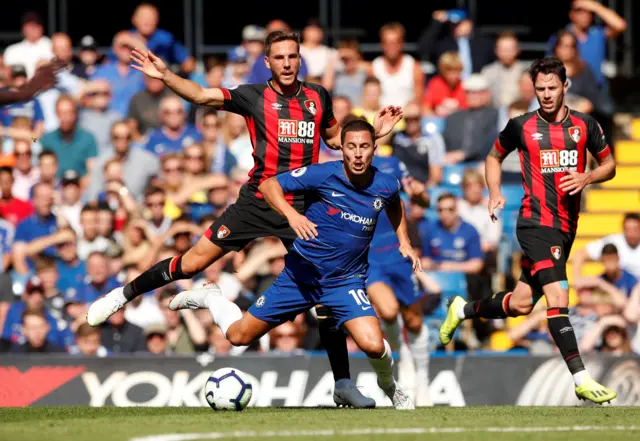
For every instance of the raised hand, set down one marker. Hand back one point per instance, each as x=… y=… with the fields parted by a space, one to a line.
x=148 y=64
x=386 y=119
x=407 y=251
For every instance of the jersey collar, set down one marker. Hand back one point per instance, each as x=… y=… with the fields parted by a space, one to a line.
x=566 y=116
x=286 y=96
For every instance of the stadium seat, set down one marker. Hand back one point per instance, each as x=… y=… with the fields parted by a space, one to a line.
x=610 y=201
x=432 y=124
x=589 y=269
x=598 y=225
x=635 y=129
x=579 y=244
x=626 y=177
x=452 y=174
x=513 y=194
x=627 y=152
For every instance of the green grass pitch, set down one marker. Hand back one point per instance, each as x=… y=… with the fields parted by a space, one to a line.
x=439 y=423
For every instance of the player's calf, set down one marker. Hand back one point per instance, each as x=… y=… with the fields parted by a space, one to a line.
x=246 y=330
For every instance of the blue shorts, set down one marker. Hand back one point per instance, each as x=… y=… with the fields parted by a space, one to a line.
x=400 y=278
x=285 y=299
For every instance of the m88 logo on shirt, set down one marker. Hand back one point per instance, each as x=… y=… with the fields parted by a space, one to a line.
x=556 y=161
x=291 y=130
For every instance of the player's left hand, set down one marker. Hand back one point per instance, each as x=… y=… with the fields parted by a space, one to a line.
x=407 y=252
x=413 y=187
x=574 y=182
x=386 y=119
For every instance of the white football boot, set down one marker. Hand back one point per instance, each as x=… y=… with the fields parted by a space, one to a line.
x=103 y=308
x=195 y=298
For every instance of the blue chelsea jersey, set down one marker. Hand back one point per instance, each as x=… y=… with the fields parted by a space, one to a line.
x=346 y=217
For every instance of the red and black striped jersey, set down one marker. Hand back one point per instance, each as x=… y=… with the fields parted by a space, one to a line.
x=284 y=130
x=548 y=151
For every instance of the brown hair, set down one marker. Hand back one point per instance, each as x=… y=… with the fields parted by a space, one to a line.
x=278 y=36
x=577 y=63
x=85 y=330
x=506 y=35
x=546 y=66
x=393 y=27
x=449 y=61
x=349 y=44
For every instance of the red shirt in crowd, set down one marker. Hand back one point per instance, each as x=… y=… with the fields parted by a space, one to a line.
x=14 y=210
x=438 y=90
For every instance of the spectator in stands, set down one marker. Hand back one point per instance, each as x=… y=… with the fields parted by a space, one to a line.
x=25 y=175
x=218 y=344
x=120 y=336
x=218 y=158
x=237 y=139
x=7 y=297
x=316 y=54
x=627 y=244
x=75 y=148
x=175 y=133
x=470 y=133
x=450 y=244
x=62 y=49
x=286 y=338
x=229 y=284
x=453 y=31
x=41 y=223
x=161 y=42
x=623 y=280
x=631 y=313
x=237 y=68
x=47 y=272
x=12 y=209
x=88 y=342
x=143 y=310
x=138 y=166
x=125 y=81
x=98 y=281
x=370 y=103
x=35 y=328
x=608 y=335
x=71 y=270
x=592 y=38
x=144 y=108
x=155 y=336
x=473 y=209
x=30 y=109
x=155 y=201
x=400 y=75
x=215 y=74
x=527 y=92
x=444 y=93
x=89 y=239
x=96 y=117
x=533 y=334
x=504 y=73
x=346 y=72
x=584 y=86
x=421 y=154
x=89 y=57
x=253 y=42
x=48 y=166
x=35 y=46
x=33 y=301
x=7 y=233
x=185 y=333
x=70 y=206
x=260 y=73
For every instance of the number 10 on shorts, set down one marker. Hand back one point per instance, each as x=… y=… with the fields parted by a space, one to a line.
x=361 y=298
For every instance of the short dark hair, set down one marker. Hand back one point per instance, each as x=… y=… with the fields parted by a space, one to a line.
x=546 y=66
x=6 y=169
x=351 y=117
x=357 y=125
x=447 y=195
x=85 y=330
x=609 y=249
x=151 y=190
x=45 y=153
x=507 y=34
x=371 y=80
x=632 y=216
x=89 y=208
x=278 y=36
x=34 y=312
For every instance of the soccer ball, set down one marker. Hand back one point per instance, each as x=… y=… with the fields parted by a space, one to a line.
x=228 y=389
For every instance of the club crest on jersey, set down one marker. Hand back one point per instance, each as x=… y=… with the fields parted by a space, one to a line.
x=575 y=133
x=377 y=204
x=223 y=232
x=556 y=252
x=311 y=106
x=260 y=301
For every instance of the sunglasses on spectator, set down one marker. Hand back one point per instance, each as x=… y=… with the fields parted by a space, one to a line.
x=99 y=93
x=28 y=153
x=209 y=125
x=578 y=10
x=199 y=157
x=173 y=111
x=412 y=117
x=120 y=137
x=450 y=209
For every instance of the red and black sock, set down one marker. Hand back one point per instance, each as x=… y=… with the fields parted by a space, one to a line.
x=159 y=275
x=562 y=332
x=495 y=306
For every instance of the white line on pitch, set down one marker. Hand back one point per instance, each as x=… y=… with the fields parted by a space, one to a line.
x=378 y=431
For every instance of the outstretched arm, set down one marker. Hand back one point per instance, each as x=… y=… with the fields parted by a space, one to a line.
x=154 y=67
x=395 y=212
x=383 y=123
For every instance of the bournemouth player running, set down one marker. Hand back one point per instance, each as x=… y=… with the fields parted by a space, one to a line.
x=286 y=119
x=329 y=260
x=552 y=144
x=394 y=289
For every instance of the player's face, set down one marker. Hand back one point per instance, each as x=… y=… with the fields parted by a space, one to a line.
x=550 y=92
x=358 y=150
x=284 y=61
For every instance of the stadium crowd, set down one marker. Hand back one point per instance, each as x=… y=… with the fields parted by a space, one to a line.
x=109 y=172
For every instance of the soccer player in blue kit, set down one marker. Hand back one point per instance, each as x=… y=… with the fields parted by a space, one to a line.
x=328 y=262
x=394 y=289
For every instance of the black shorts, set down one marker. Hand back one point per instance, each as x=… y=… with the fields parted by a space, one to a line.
x=546 y=251
x=245 y=221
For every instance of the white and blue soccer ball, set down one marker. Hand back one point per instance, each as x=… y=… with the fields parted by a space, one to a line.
x=228 y=389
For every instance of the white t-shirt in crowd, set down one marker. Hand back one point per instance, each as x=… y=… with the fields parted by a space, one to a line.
x=147 y=313
x=629 y=257
x=28 y=54
x=317 y=59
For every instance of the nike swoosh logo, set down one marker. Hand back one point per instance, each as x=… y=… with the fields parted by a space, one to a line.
x=364 y=309
x=337 y=195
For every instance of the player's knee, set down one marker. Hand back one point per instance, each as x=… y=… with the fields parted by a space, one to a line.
x=373 y=347
x=191 y=264
x=387 y=314
x=413 y=323
x=518 y=307
x=239 y=338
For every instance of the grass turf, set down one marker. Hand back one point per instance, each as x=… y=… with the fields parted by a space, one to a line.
x=123 y=424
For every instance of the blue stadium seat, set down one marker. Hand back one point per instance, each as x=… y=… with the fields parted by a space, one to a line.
x=513 y=193
x=432 y=124
x=452 y=174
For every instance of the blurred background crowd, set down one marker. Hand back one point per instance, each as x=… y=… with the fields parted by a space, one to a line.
x=109 y=172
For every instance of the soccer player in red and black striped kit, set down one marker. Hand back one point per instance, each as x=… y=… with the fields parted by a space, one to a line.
x=552 y=143
x=286 y=119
